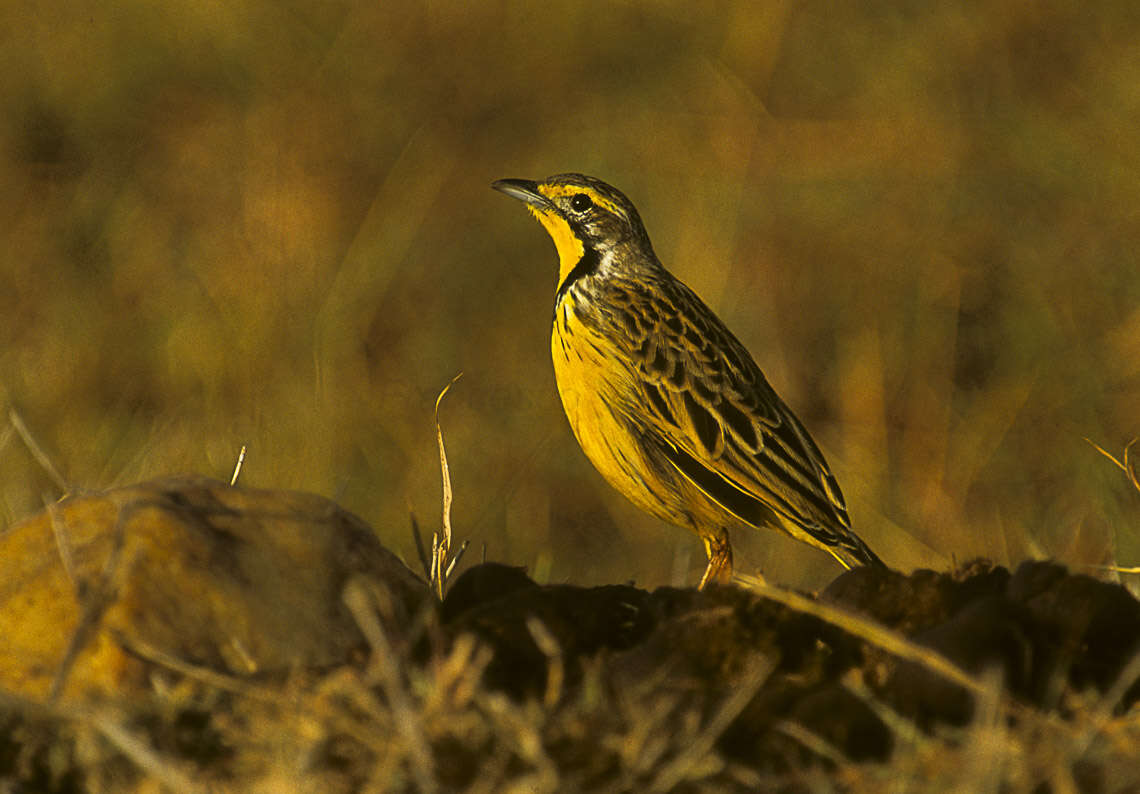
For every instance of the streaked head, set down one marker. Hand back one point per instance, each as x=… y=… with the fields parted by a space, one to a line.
x=584 y=216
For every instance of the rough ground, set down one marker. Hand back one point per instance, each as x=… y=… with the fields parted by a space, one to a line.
x=204 y=637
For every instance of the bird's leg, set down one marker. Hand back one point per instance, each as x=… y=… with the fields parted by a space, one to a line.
x=719 y=551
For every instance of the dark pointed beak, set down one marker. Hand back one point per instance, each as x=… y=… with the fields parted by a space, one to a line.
x=524 y=190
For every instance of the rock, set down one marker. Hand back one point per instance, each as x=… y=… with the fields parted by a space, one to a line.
x=238 y=580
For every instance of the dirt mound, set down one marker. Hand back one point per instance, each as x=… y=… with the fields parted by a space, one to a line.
x=1042 y=630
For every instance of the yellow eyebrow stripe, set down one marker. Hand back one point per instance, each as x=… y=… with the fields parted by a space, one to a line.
x=557 y=191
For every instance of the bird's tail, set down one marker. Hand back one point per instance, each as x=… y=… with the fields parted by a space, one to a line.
x=852 y=552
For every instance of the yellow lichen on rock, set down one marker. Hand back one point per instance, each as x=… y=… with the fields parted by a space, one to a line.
x=233 y=579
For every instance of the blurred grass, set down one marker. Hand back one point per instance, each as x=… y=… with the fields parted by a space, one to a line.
x=270 y=224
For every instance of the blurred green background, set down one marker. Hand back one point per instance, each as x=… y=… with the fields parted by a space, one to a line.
x=270 y=223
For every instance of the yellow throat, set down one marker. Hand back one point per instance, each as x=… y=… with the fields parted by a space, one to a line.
x=569 y=247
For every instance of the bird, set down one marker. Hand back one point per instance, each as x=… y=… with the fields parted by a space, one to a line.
x=663 y=399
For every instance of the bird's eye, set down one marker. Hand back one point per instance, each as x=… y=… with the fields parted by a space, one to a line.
x=580 y=202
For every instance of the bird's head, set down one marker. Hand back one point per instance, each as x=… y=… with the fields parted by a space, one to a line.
x=588 y=220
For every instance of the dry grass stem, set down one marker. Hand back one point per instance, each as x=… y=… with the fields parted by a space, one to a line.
x=866 y=629
x=441 y=544
x=63 y=544
x=94 y=598
x=142 y=755
x=421 y=550
x=811 y=741
x=700 y=746
x=237 y=466
x=555 y=667
x=37 y=451
x=384 y=665
x=205 y=675
x=1126 y=465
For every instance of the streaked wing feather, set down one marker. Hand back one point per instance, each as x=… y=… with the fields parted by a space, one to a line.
x=728 y=430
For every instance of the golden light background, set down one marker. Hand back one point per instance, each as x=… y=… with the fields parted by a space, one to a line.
x=271 y=224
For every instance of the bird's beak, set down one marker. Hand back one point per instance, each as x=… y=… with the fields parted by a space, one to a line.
x=526 y=191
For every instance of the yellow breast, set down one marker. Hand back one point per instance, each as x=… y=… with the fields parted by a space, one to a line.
x=583 y=380
x=599 y=397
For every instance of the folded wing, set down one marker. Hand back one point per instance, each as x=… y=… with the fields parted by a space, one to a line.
x=723 y=427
